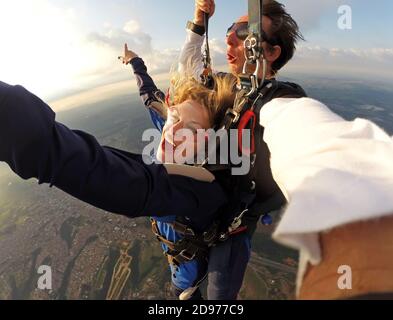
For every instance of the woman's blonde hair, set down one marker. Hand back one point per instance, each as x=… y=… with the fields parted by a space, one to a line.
x=216 y=100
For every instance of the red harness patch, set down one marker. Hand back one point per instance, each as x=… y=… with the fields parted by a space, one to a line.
x=248 y=121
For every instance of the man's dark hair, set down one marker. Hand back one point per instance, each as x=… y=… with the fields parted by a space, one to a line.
x=284 y=32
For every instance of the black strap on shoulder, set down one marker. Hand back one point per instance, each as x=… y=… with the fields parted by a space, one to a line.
x=278 y=89
x=259 y=182
x=253 y=93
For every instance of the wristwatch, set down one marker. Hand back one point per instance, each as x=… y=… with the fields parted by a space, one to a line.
x=196 y=28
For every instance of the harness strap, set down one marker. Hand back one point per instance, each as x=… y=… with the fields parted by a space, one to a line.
x=207 y=60
x=232 y=116
x=185 y=250
x=190 y=252
x=183 y=229
x=206 y=76
x=160 y=238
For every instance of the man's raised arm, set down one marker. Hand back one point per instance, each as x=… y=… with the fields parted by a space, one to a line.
x=190 y=60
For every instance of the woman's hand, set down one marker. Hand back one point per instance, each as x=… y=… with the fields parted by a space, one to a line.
x=128 y=55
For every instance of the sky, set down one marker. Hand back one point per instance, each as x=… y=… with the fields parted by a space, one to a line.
x=57 y=48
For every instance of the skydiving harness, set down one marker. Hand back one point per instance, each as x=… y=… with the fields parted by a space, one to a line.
x=195 y=245
x=252 y=94
x=243 y=115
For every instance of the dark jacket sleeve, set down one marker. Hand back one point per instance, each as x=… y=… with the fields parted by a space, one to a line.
x=147 y=88
x=35 y=146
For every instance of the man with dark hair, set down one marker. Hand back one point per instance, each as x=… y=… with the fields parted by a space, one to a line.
x=281 y=34
x=228 y=260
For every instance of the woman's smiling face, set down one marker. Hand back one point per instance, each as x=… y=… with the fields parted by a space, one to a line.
x=181 y=129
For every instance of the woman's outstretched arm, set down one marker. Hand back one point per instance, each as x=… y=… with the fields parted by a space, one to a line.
x=151 y=96
x=36 y=146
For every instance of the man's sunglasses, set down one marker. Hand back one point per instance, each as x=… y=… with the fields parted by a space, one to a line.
x=241 y=31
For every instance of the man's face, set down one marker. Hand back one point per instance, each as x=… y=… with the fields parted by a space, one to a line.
x=235 y=49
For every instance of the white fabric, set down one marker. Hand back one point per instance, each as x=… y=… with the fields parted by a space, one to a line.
x=333 y=172
x=190 y=60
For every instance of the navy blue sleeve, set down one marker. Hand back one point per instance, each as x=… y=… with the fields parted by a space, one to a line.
x=148 y=91
x=147 y=88
x=34 y=145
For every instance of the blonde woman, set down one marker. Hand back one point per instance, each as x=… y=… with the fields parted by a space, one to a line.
x=187 y=274
x=36 y=146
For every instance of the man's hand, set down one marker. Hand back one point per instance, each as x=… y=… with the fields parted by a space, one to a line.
x=202 y=7
x=128 y=55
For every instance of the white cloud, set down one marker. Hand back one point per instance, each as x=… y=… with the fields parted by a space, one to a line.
x=45 y=49
x=217 y=47
x=132 y=27
x=38 y=43
x=114 y=38
x=308 y=13
x=218 y=51
x=140 y=42
x=319 y=60
x=351 y=62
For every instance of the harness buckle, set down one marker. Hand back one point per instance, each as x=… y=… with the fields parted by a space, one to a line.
x=253 y=52
x=236 y=115
x=237 y=222
x=187 y=256
x=189 y=233
x=183 y=229
x=211 y=235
